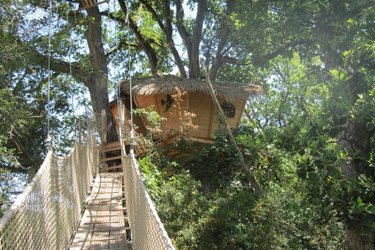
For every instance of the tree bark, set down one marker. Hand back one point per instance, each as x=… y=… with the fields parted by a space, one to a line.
x=225 y=30
x=184 y=34
x=168 y=32
x=354 y=138
x=97 y=83
x=169 y=35
x=191 y=41
x=196 y=39
x=146 y=46
x=96 y=80
x=100 y=103
x=92 y=80
x=357 y=239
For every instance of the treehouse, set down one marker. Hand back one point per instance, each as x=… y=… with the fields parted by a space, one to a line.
x=186 y=106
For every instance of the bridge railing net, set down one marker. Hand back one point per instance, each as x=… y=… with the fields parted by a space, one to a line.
x=147 y=231
x=47 y=213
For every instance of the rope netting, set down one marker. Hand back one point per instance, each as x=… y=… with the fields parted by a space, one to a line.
x=147 y=230
x=47 y=213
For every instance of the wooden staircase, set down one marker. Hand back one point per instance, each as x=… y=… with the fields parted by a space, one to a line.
x=110 y=157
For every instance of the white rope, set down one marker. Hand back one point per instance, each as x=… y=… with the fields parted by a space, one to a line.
x=132 y=140
x=148 y=231
x=116 y=46
x=70 y=72
x=49 y=142
x=118 y=94
x=253 y=181
x=48 y=211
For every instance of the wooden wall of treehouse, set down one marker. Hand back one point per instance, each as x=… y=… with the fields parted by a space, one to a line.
x=193 y=115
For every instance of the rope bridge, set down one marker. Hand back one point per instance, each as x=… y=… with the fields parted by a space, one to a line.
x=48 y=214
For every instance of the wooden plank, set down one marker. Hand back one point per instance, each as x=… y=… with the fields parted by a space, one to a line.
x=103 y=224
x=111 y=145
x=110 y=149
x=112 y=168
x=112 y=158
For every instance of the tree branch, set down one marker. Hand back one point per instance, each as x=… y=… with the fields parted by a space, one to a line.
x=113 y=17
x=197 y=35
x=234 y=61
x=61 y=66
x=97 y=56
x=147 y=48
x=154 y=15
x=168 y=31
x=184 y=34
x=169 y=36
x=74 y=1
x=219 y=59
x=123 y=44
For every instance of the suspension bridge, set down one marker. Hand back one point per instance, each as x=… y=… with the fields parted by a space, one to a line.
x=94 y=198
x=80 y=202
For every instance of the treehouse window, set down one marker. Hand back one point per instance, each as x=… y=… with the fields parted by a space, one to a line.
x=229 y=109
x=167 y=102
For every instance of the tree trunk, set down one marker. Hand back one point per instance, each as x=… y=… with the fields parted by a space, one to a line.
x=357 y=239
x=100 y=103
x=97 y=83
x=355 y=139
x=194 y=65
x=225 y=30
x=191 y=41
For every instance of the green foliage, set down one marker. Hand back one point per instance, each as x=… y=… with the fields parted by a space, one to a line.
x=18 y=123
x=309 y=140
x=152 y=118
x=214 y=165
x=205 y=203
x=227 y=222
x=177 y=197
x=285 y=219
x=11 y=185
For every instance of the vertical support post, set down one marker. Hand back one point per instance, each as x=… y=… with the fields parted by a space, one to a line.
x=80 y=131
x=103 y=125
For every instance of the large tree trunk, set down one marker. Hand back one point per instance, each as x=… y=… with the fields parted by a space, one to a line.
x=97 y=83
x=194 y=65
x=100 y=102
x=354 y=138
x=360 y=234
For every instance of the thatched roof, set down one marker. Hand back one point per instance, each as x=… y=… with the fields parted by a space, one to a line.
x=167 y=85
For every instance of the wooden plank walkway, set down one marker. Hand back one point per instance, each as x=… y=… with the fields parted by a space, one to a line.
x=102 y=225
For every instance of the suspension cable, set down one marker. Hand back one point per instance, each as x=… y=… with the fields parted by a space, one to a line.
x=49 y=140
x=116 y=47
x=118 y=94
x=253 y=182
x=130 y=83
x=69 y=79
